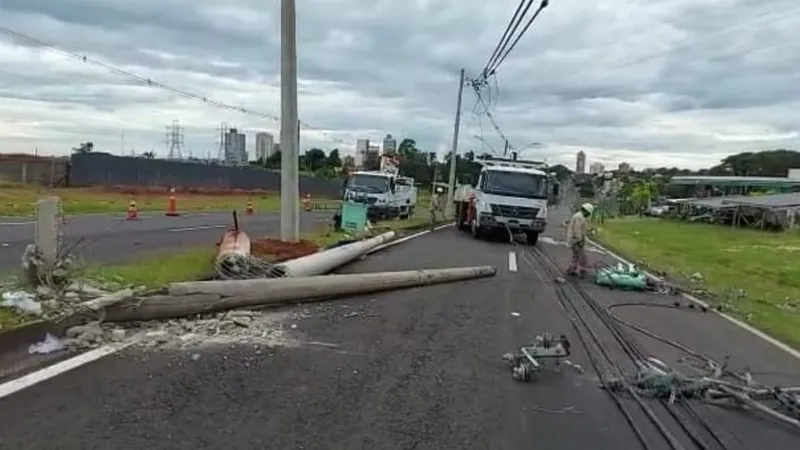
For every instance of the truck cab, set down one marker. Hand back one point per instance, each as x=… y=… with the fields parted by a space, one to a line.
x=510 y=196
x=385 y=192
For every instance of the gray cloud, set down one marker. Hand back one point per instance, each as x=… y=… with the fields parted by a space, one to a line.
x=668 y=82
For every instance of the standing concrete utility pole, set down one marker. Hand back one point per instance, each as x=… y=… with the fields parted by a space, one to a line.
x=290 y=130
x=451 y=184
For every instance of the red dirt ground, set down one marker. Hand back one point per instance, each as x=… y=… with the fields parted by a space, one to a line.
x=275 y=249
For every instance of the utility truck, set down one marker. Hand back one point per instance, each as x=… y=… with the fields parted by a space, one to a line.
x=384 y=191
x=510 y=196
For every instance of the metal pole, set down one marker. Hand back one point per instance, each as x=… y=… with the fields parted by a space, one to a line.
x=451 y=185
x=290 y=189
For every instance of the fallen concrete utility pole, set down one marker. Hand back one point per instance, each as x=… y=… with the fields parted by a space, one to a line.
x=186 y=299
x=324 y=262
x=234 y=252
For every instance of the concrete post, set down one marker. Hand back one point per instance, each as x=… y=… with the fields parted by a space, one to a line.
x=290 y=126
x=48 y=212
x=451 y=184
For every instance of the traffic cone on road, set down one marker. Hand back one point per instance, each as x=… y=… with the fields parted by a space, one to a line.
x=172 y=204
x=133 y=211
x=250 y=210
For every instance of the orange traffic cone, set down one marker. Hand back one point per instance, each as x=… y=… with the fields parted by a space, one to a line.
x=133 y=212
x=172 y=204
x=250 y=210
x=307 y=202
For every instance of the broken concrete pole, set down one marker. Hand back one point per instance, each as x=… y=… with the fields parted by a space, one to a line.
x=105 y=301
x=324 y=262
x=48 y=212
x=186 y=299
x=234 y=252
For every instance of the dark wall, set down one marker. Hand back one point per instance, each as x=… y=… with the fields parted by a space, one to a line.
x=102 y=169
x=33 y=170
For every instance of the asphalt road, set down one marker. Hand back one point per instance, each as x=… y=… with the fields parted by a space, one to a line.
x=413 y=369
x=109 y=239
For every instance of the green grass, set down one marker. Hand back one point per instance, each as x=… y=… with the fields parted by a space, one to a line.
x=765 y=265
x=16 y=200
x=192 y=264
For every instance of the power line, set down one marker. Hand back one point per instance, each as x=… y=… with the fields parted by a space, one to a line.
x=538 y=11
x=506 y=35
x=153 y=83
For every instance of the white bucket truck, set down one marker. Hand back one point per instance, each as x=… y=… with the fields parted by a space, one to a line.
x=510 y=195
x=384 y=191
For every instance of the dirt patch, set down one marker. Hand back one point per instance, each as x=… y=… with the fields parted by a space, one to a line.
x=277 y=250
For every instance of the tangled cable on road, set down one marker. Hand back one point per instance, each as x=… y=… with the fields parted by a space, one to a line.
x=672 y=389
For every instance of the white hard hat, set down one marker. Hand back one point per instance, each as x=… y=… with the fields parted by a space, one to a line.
x=588 y=207
x=439 y=190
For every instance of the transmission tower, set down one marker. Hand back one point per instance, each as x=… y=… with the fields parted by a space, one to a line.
x=223 y=130
x=175 y=140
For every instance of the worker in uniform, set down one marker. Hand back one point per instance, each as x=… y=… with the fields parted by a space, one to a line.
x=435 y=204
x=576 y=239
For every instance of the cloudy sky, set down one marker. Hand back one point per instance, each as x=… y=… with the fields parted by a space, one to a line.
x=650 y=82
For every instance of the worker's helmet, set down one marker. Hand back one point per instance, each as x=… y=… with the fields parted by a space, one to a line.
x=439 y=190
x=588 y=207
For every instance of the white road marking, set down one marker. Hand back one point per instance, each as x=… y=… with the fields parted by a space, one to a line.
x=10 y=224
x=512 y=261
x=16 y=385
x=781 y=345
x=202 y=227
x=408 y=238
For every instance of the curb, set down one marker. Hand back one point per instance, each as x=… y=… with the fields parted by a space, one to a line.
x=745 y=326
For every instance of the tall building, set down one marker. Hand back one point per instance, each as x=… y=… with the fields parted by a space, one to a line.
x=235 y=148
x=389 y=145
x=362 y=147
x=372 y=159
x=597 y=169
x=580 y=165
x=264 y=145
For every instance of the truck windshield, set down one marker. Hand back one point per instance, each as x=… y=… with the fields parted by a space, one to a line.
x=374 y=184
x=515 y=184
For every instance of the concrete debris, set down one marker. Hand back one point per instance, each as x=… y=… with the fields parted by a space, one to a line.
x=233 y=327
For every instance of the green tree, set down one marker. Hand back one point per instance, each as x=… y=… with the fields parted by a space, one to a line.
x=334 y=160
x=313 y=160
x=84 y=147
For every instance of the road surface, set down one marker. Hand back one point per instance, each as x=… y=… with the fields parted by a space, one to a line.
x=109 y=239
x=413 y=369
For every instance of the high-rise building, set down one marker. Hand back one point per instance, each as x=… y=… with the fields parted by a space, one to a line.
x=580 y=165
x=389 y=145
x=362 y=147
x=372 y=160
x=264 y=145
x=235 y=148
x=597 y=169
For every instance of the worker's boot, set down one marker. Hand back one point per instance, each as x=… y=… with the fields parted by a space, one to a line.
x=571 y=271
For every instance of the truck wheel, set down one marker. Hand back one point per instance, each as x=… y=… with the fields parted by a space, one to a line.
x=532 y=237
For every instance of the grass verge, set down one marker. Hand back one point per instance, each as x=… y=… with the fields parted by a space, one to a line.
x=192 y=264
x=21 y=201
x=765 y=265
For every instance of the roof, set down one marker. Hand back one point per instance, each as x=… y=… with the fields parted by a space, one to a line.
x=514 y=169
x=733 y=181
x=761 y=201
x=770 y=201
